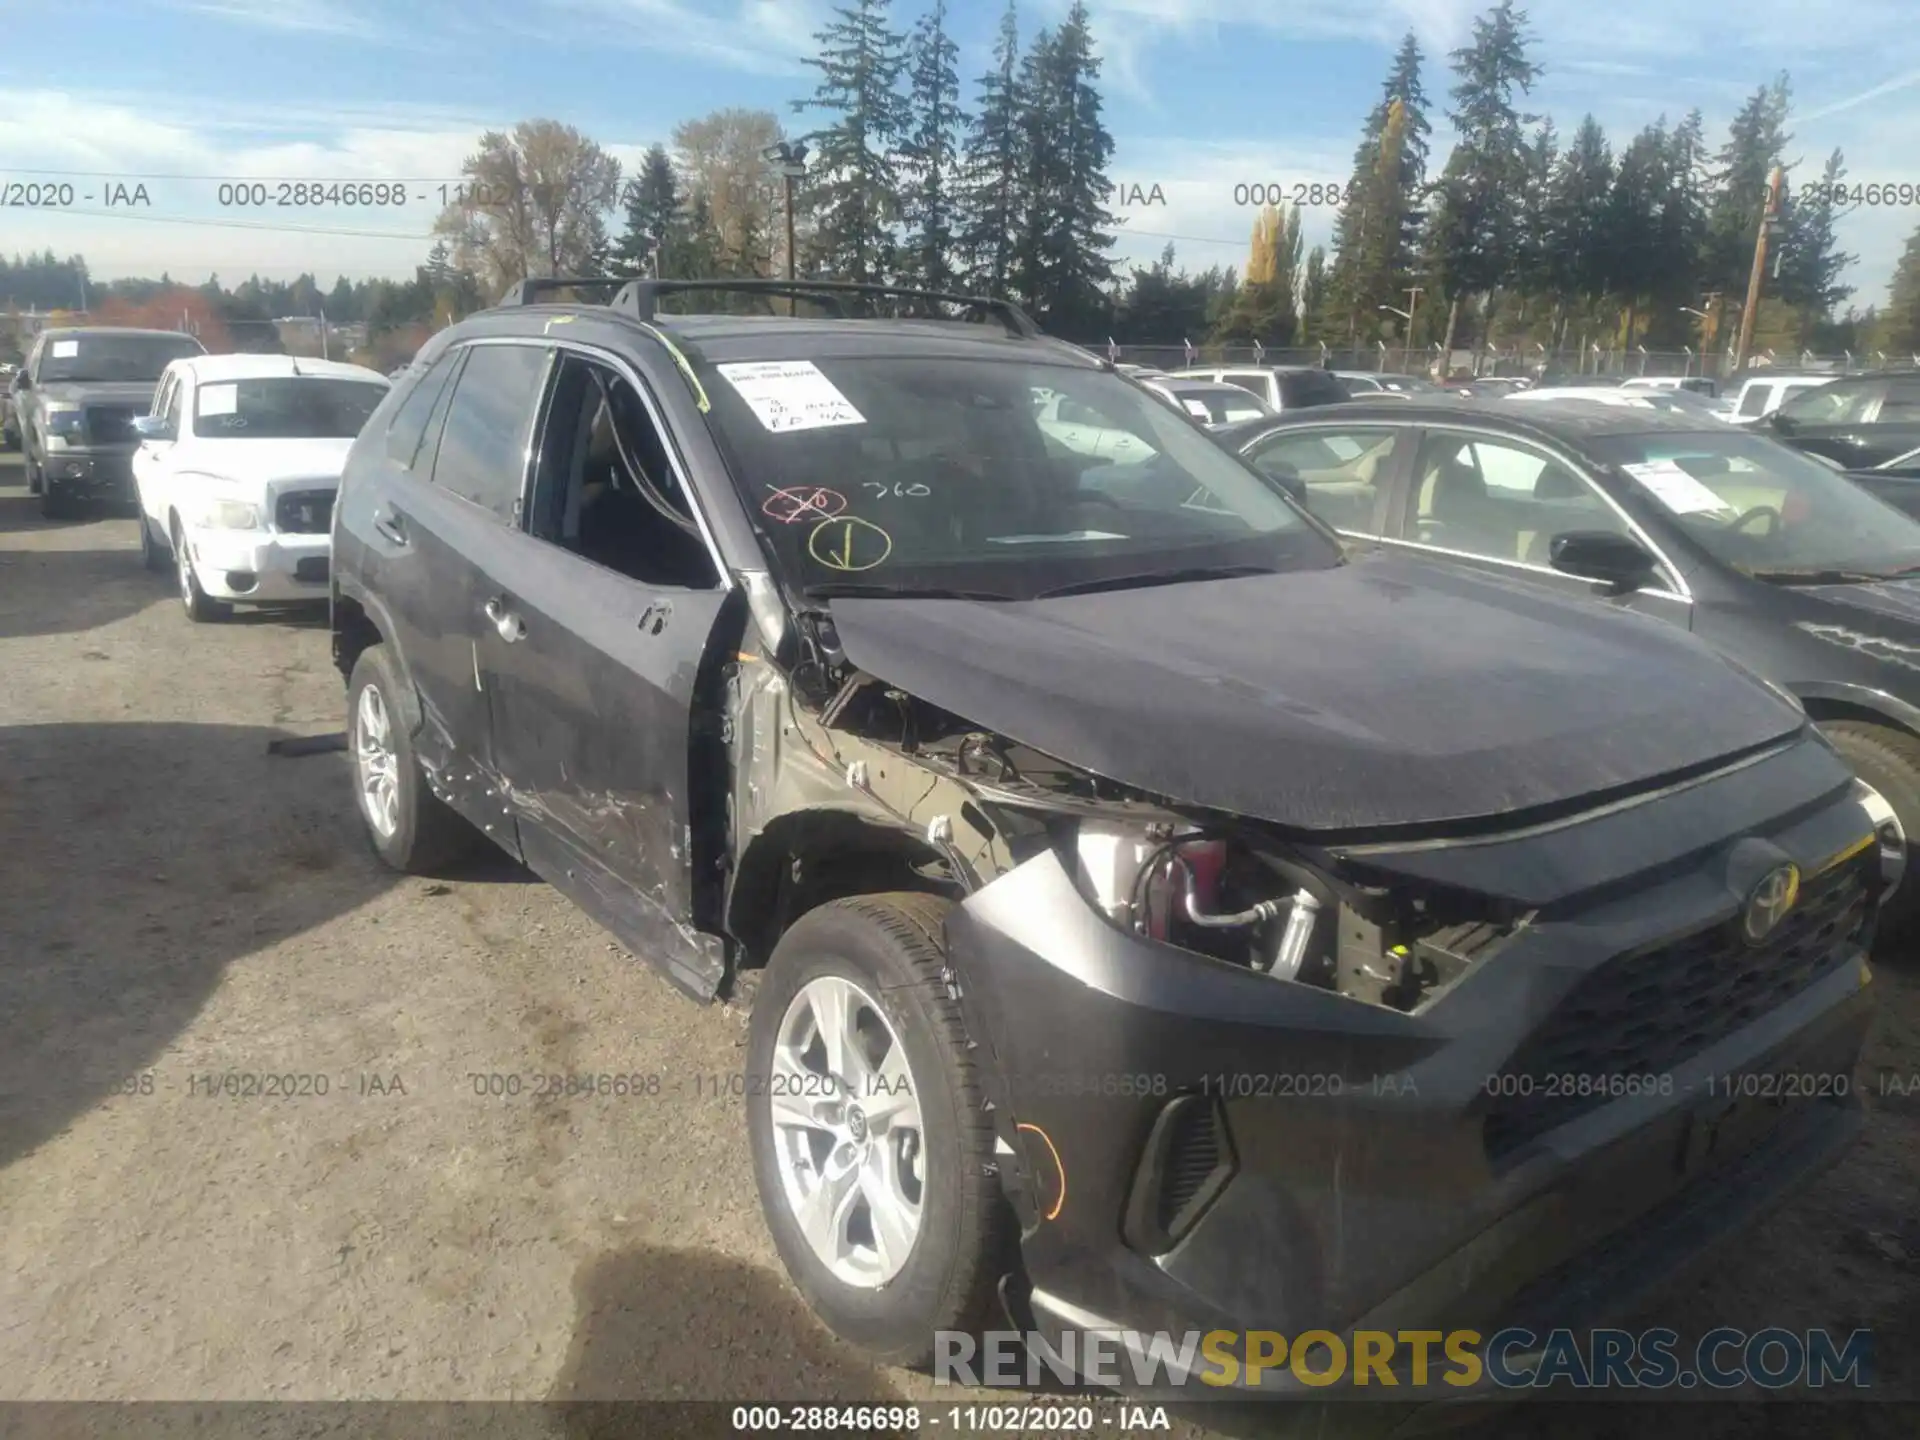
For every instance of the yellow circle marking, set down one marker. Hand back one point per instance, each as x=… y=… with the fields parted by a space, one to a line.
x=849 y=543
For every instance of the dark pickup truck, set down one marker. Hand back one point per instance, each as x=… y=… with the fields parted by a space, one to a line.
x=75 y=400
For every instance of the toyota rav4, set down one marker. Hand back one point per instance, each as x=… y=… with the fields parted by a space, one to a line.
x=1152 y=917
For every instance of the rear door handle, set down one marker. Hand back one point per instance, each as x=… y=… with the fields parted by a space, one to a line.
x=391 y=526
x=507 y=622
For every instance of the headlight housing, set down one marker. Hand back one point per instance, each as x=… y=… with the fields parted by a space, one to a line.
x=224 y=514
x=64 y=422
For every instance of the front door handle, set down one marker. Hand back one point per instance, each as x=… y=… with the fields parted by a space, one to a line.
x=390 y=526
x=654 y=618
x=509 y=624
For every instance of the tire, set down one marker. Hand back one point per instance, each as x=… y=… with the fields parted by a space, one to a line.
x=426 y=836
x=55 y=504
x=888 y=948
x=35 y=482
x=153 y=555
x=9 y=438
x=201 y=608
x=1889 y=761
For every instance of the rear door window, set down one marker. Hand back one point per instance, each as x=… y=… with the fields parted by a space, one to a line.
x=409 y=424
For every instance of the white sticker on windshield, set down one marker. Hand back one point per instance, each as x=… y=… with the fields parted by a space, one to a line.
x=791 y=395
x=65 y=349
x=1677 y=490
x=219 y=399
x=1198 y=409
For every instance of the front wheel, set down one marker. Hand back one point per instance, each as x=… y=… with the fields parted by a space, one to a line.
x=153 y=554
x=35 y=481
x=1888 y=761
x=201 y=608
x=872 y=1147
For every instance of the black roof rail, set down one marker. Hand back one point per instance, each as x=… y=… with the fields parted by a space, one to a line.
x=640 y=298
x=529 y=291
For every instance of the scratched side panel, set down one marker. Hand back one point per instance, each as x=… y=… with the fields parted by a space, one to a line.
x=593 y=736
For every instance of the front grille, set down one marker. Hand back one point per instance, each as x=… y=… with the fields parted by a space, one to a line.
x=110 y=425
x=1643 y=1014
x=303 y=512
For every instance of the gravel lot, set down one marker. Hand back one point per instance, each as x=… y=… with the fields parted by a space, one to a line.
x=178 y=903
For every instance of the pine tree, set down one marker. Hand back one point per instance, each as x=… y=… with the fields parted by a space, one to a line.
x=992 y=169
x=1475 y=237
x=1060 y=266
x=1376 y=235
x=652 y=203
x=1756 y=141
x=1313 y=297
x=1898 y=330
x=928 y=152
x=1811 y=261
x=854 y=191
x=1576 y=204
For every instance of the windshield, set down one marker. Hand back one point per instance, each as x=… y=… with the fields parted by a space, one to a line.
x=1831 y=404
x=1763 y=507
x=131 y=358
x=285 y=408
x=993 y=478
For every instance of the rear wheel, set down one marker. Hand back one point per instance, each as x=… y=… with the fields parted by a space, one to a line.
x=1888 y=761
x=872 y=1147
x=34 y=480
x=409 y=827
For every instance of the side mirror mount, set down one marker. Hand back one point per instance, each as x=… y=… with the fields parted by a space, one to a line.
x=152 y=427
x=1780 y=422
x=1620 y=563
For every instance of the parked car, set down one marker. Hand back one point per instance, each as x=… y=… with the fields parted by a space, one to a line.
x=1073 y=428
x=1365 y=382
x=1142 y=372
x=1896 y=481
x=1781 y=563
x=1703 y=385
x=1208 y=401
x=236 y=471
x=1859 y=420
x=1678 y=402
x=1760 y=395
x=10 y=412
x=1284 y=387
x=76 y=398
x=796 y=655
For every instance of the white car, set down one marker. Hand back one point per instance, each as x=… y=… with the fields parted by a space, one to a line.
x=1703 y=385
x=1080 y=430
x=1761 y=395
x=237 y=468
x=1678 y=401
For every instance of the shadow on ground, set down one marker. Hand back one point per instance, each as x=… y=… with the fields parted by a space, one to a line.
x=139 y=861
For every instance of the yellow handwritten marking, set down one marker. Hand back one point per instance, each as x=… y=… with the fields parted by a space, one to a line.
x=1847 y=854
x=818 y=544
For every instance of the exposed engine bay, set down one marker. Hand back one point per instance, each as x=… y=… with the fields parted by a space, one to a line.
x=1219 y=886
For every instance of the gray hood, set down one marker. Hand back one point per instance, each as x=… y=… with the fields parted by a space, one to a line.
x=1387 y=693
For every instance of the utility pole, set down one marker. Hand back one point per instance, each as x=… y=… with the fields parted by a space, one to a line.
x=1769 y=222
x=325 y=353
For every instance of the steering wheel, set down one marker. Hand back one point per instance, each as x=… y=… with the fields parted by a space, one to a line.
x=1774 y=518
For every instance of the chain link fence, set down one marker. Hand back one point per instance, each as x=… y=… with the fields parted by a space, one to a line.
x=1532 y=360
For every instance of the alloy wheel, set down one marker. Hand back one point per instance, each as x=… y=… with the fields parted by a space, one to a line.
x=847 y=1131
x=376 y=763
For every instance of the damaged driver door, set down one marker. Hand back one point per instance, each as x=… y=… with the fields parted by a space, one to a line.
x=597 y=644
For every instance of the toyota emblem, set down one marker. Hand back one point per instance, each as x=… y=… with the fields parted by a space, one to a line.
x=1768 y=902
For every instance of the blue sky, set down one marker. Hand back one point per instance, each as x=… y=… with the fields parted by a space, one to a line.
x=1202 y=95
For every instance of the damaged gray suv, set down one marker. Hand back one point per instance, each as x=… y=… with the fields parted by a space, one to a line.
x=1153 y=917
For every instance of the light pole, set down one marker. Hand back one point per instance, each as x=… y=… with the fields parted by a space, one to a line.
x=789 y=158
x=1413 y=303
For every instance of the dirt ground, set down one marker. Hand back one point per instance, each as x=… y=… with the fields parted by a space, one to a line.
x=177 y=903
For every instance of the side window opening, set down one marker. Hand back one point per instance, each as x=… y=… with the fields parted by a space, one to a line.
x=482 y=444
x=605 y=488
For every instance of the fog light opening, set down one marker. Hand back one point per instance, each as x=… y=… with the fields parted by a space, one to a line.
x=241 y=581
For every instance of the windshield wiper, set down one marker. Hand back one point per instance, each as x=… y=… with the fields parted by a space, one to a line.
x=1157 y=577
x=838 y=590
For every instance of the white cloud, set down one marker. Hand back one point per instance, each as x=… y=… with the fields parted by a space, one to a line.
x=317 y=17
x=760 y=37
